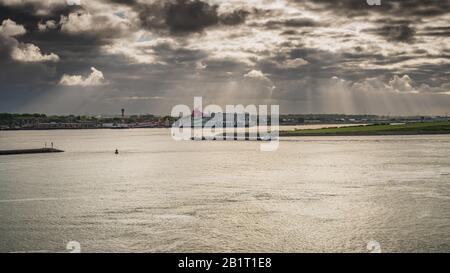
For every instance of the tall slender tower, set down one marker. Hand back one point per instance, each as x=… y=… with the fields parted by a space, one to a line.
x=123 y=113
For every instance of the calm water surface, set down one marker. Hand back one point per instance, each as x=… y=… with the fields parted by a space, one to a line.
x=325 y=194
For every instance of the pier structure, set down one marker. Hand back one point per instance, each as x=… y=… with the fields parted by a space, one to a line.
x=30 y=151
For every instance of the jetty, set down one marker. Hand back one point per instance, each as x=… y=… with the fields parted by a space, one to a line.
x=30 y=151
x=237 y=137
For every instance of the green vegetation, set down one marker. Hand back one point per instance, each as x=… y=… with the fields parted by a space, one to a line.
x=377 y=129
x=18 y=121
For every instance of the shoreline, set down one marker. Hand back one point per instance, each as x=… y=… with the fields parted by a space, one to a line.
x=133 y=128
x=72 y=129
x=366 y=134
x=425 y=128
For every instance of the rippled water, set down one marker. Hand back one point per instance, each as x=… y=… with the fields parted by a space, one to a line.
x=325 y=194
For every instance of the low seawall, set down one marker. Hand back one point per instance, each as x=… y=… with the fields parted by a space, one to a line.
x=30 y=151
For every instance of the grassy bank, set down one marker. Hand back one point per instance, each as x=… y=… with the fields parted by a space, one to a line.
x=383 y=129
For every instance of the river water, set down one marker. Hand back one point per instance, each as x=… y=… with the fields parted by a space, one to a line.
x=315 y=194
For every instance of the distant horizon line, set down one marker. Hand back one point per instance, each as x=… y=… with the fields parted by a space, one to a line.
x=282 y=114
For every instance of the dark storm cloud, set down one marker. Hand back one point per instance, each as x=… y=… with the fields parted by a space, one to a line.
x=77 y=51
x=436 y=31
x=15 y=74
x=29 y=76
x=324 y=64
x=234 y=18
x=36 y=75
x=23 y=75
x=399 y=17
x=321 y=64
x=183 y=16
x=26 y=14
x=294 y=23
x=423 y=7
x=6 y=46
x=396 y=33
x=77 y=45
x=388 y=7
x=190 y=16
x=168 y=54
x=289 y=32
x=342 y=4
x=124 y=2
x=431 y=74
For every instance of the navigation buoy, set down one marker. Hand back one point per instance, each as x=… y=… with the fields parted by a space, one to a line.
x=117 y=151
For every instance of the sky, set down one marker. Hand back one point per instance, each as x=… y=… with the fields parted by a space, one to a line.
x=322 y=56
